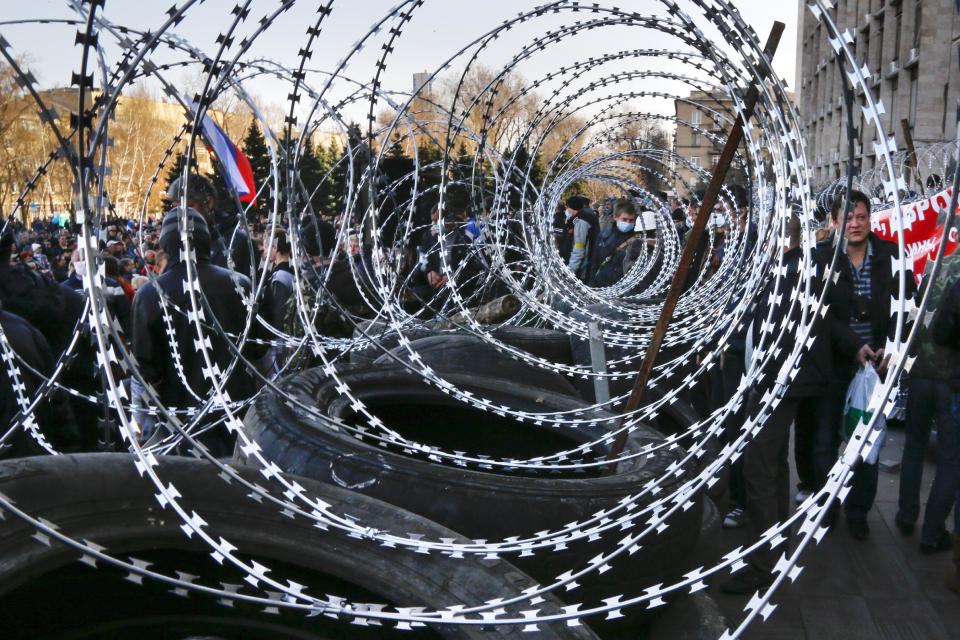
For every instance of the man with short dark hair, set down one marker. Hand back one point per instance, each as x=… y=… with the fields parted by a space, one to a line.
x=859 y=315
x=613 y=243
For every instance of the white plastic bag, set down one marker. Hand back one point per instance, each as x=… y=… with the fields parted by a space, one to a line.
x=856 y=409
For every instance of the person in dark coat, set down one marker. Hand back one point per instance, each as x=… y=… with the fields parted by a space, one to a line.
x=612 y=245
x=56 y=311
x=860 y=325
x=276 y=300
x=931 y=391
x=945 y=491
x=54 y=415
x=222 y=290
x=578 y=241
x=766 y=471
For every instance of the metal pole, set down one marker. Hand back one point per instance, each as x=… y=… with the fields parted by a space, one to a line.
x=598 y=359
x=911 y=150
x=690 y=247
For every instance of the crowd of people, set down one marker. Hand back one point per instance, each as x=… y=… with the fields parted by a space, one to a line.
x=148 y=286
x=852 y=335
x=599 y=249
x=144 y=287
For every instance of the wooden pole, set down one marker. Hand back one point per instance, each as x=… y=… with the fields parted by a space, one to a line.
x=912 y=155
x=690 y=247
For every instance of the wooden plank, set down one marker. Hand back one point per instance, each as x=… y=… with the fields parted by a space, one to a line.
x=690 y=248
x=882 y=570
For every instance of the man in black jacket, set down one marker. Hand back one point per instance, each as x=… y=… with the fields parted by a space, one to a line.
x=860 y=325
x=56 y=311
x=766 y=472
x=611 y=247
x=184 y=382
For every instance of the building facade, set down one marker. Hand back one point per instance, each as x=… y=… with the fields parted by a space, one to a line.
x=699 y=136
x=910 y=48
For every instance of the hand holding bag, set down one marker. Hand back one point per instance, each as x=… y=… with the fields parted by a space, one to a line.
x=856 y=409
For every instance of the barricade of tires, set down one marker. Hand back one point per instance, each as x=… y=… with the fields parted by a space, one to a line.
x=489 y=505
x=46 y=593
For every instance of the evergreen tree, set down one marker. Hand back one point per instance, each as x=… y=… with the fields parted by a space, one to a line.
x=284 y=152
x=338 y=178
x=176 y=169
x=311 y=174
x=526 y=177
x=255 y=148
x=464 y=164
x=430 y=155
x=325 y=189
x=574 y=188
x=396 y=146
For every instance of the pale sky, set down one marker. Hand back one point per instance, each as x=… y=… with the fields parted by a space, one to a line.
x=438 y=29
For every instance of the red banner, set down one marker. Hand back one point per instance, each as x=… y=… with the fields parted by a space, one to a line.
x=921 y=231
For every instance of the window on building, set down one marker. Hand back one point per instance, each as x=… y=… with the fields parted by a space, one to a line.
x=896 y=37
x=946 y=95
x=695 y=138
x=917 y=21
x=894 y=105
x=714 y=159
x=695 y=118
x=695 y=161
x=914 y=88
x=878 y=57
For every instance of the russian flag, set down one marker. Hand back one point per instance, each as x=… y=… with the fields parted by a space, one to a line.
x=236 y=165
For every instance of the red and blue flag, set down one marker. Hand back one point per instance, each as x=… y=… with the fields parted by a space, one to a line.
x=237 y=171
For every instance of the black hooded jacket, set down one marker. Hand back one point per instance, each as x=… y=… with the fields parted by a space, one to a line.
x=151 y=342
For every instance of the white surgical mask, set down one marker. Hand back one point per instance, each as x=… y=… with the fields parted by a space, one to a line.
x=625 y=227
x=570 y=213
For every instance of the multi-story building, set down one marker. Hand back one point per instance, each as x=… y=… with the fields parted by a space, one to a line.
x=691 y=141
x=700 y=134
x=911 y=49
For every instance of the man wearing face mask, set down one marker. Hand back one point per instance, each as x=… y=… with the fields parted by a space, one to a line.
x=580 y=235
x=612 y=245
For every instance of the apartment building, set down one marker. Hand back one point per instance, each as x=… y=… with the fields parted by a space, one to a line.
x=912 y=51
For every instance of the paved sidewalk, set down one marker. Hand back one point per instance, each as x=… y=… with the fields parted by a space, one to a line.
x=881 y=588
